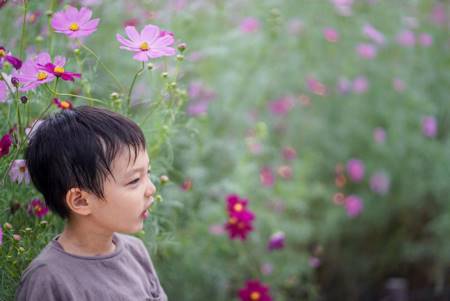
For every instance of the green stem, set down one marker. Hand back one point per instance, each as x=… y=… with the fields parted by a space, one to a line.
x=24 y=22
x=49 y=26
x=132 y=86
x=74 y=95
x=103 y=65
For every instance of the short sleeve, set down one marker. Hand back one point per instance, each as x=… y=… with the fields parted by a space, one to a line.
x=39 y=284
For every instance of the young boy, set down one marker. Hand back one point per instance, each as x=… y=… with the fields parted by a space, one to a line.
x=91 y=166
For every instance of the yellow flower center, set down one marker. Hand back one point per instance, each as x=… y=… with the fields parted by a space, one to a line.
x=58 y=69
x=64 y=104
x=144 y=46
x=232 y=220
x=74 y=27
x=37 y=208
x=2 y=53
x=255 y=296
x=42 y=75
x=238 y=207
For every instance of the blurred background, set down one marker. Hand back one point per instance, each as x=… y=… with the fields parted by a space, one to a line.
x=330 y=117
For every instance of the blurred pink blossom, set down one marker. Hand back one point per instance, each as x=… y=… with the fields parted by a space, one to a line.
x=343 y=7
x=295 y=27
x=379 y=183
x=331 y=35
x=429 y=126
x=366 y=51
x=314 y=262
x=353 y=205
x=398 y=85
x=266 y=269
x=355 y=170
x=250 y=25
x=425 y=39
x=360 y=84
x=289 y=153
x=276 y=241
x=343 y=86
x=285 y=171
x=406 y=38
x=281 y=106
x=266 y=176
x=199 y=98
x=439 y=15
x=379 y=135
x=373 y=34
x=216 y=229
x=316 y=86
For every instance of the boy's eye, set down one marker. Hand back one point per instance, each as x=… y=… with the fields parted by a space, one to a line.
x=134 y=181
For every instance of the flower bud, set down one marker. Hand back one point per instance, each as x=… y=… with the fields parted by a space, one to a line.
x=150 y=66
x=165 y=75
x=39 y=39
x=49 y=13
x=8 y=226
x=173 y=84
x=15 y=81
x=164 y=179
x=180 y=57
x=17 y=237
x=114 y=95
x=158 y=198
x=24 y=99
x=182 y=47
x=76 y=51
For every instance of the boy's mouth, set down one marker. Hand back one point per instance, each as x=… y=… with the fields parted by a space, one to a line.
x=145 y=214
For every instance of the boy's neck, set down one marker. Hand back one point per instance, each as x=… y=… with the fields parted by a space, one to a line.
x=86 y=241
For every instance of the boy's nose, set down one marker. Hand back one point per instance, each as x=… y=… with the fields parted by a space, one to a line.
x=150 y=189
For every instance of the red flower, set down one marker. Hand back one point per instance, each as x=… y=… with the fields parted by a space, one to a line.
x=255 y=291
x=236 y=204
x=239 y=224
x=37 y=208
x=5 y=144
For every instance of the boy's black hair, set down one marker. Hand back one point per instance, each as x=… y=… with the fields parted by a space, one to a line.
x=75 y=148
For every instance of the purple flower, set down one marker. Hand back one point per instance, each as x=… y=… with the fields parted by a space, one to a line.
x=360 y=84
x=148 y=44
x=429 y=126
x=355 y=170
x=406 y=38
x=425 y=39
x=250 y=25
x=281 y=106
x=19 y=172
x=6 y=56
x=379 y=135
x=366 y=51
x=379 y=183
x=314 y=262
x=5 y=144
x=276 y=241
x=3 y=91
x=74 y=23
x=37 y=208
x=343 y=86
x=373 y=34
x=44 y=62
x=353 y=205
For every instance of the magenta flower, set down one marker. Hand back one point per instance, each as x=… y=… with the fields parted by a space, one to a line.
x=379 y=183
x=353 y=205
x=281 y=106
x=379 y=135
x=5 y=144
x=250 y=25
x=239 y=224
x=74 y=23
x=425 y=39
x=360 y=84
x=44 y=62
x=19 y=172
x=373 y=34
x=289 y=153
x=355 y=170
x=438 y=14
x=316 y=86
x=331 y=35
x=37 y=208
x=429 y=126
x=3 y=91
x=148 y=44
x=366 y=51
x=6 y=56
x=266 y=176
x=255 y=291
x=276 y=241
x=406 y=38
x=1 y=236
x=31 y=76
x=236 y=204
x=314 y=262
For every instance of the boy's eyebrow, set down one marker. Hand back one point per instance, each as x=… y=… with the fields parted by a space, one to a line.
x=138 y=169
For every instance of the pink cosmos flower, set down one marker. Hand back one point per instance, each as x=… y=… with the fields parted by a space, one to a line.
x=3 y=91
x=355 y=170
x=250 y=25
x=379 y=135
x=353 y=205
x=37 y=208
x=316 y=86
x=295 y=27
x=425 y=39
x=5 y=144
x=331 y=35
x=343 y=7
x=74 y=23
x=373 y=34
x=276 y=241
x=6 y=56
x=429 y=126
x=150 y=43
x=438 y=14
x=285 y=171
x=254 y=290
x=366 y=51
x=344 y=86
x=398 y=85
x=266 y=269
x=360 y=84
x=31 y=76
x=314 y=262
x=379 y=183
x=44 y=62
x=281 y=106
x=266 y=176
x=239 y=224
x=406 y=38
x=19 y=172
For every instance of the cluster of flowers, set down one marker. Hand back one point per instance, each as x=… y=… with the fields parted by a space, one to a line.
x=240 y=218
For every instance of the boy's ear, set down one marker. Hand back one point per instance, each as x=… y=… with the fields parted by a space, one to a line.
x=78 y=201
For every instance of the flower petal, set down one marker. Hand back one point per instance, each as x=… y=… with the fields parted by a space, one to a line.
x=84 y=15
x=164 y=41
x=150 y=33
x=59 y=21
x=132 y=33
x=141 y=56
x=91 y=25
x=60 y=61
x=72 y=14
x=43 y=58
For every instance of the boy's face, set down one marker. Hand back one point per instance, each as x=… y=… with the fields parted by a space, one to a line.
x=127 y=197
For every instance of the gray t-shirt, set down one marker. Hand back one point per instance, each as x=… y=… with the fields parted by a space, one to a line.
x=126 y=274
